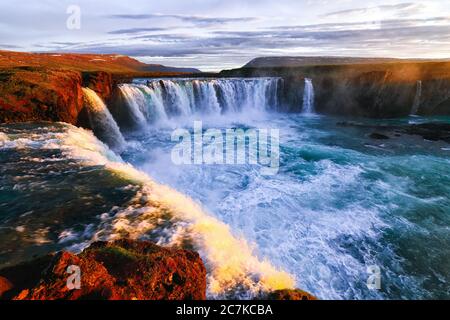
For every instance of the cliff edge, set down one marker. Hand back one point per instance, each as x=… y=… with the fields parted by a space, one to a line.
x=47 y=87
x=375 y=88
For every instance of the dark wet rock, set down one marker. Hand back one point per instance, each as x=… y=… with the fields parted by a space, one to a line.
x=5 y=285
x=290 y=294
x=378 y=136
x=122 y=269
x=430 y=131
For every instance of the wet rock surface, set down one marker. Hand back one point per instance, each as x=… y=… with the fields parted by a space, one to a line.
x=378 y=136
x=432 y=131
x=290 y=294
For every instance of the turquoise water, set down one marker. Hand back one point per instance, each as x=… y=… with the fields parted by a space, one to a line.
x=340 y=203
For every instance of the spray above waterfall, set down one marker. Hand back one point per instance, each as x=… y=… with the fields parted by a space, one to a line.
x=308 y=97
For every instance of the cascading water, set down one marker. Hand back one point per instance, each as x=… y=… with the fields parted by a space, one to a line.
x=101 y=120
x=336 y=206
x=159 y=100
x=308 y=97
x=417 y=99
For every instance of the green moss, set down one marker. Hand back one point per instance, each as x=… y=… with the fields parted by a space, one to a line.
x=118 y=253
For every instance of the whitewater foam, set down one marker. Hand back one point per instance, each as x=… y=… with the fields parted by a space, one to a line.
x=173 y=219
x=3 y=138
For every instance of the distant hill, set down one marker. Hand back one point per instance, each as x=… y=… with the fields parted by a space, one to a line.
x=276 y=62
x=161 y=68
x=84 y=62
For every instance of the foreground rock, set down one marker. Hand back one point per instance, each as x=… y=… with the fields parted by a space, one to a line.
x=121 y=269
x=290 y=294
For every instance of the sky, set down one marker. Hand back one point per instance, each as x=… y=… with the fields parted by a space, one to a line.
x=213 y=35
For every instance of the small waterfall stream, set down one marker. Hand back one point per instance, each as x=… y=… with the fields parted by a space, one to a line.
x=308 y=97
x=101 y=120
x=417 y=99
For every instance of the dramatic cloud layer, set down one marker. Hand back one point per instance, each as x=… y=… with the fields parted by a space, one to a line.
x=215 y=34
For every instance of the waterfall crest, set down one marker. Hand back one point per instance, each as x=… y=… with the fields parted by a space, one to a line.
x=417 y=99
x=160 y=100
x=101 y=120
x=308 y=97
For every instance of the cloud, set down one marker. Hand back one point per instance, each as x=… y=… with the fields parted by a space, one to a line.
x=57 y=45
x=64 y=43
x=136 y=30
x=400 y=9
x=9 y=46
x=196 y=20
x=387 y=23
x=358 y=41
x=218 y=33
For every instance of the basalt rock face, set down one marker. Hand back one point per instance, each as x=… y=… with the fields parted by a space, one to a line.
x=379 y=90
x=122 y=269
x=48 y=87
x=101 y=82
x=373 y=94
x=28 y=94
x=36 y=94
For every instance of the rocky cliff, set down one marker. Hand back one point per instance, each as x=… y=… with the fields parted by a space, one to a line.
x=32 y=94
x=47 y=87
x=372 y=90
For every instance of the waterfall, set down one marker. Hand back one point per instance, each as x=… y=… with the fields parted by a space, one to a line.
x=156 y=100
x=101 y=120
x=144 y=104
x=417 y=99
x=308 y=97
x=135 y=104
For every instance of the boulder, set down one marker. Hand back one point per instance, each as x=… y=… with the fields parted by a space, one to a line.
x=119 y=270
x=290 y=294
x=378 y=136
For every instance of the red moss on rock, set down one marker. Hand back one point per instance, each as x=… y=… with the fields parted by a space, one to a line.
x=40 y=95
x=122 y=269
